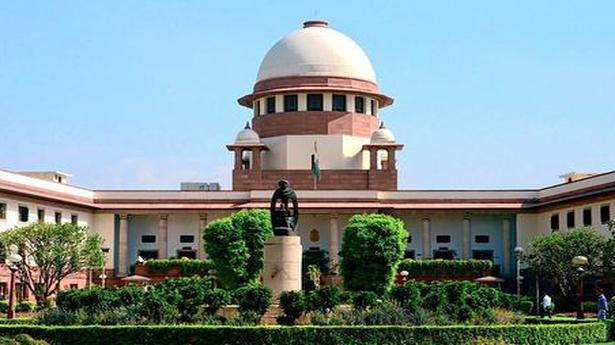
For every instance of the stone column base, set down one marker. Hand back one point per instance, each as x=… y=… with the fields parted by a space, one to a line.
x=282 y=271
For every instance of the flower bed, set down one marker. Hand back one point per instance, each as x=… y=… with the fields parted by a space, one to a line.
x=330 y=335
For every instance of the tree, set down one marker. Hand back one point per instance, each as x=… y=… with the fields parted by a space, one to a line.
x=50 y=253
x=550 y=256
x=235 y=245
x=372 y=247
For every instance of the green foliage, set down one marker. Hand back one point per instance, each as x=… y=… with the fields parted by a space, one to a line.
x=54 y=251
x=550 y=256
x=314 y=263
x=4 y=306
x=408 y=295
x=363 y=300
x=253 y=298
x=186 y=267
x=324 y=299
x=372 y=247
x=440 y=267
x=25 y=307
x=293 y=304
x=587 y=333
x=21 y=339
x=235 y=245
x=216 y=299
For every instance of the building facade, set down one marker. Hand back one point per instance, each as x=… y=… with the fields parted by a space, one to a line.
x=316 y=94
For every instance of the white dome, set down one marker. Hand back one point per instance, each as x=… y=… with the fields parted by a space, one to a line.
x=382 y=136
x=247 y=136
x=316 y=50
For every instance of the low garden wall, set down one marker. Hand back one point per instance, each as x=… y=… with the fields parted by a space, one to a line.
x=585 y=333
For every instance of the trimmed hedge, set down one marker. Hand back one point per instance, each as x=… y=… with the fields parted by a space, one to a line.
x=445 y=267
x=330 y=335
x=185 y=266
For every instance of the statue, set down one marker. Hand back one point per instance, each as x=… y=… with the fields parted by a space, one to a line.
x=284 y=220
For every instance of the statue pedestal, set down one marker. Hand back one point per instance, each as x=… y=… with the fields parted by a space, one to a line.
x=282 y=271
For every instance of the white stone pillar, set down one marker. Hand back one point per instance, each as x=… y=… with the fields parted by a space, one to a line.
x=123 y=246
x=199 y=237
x=282 y=269
x=506 y=255
x=163 y=228
x=334 y=247
x=426 y=238
x=465 y=238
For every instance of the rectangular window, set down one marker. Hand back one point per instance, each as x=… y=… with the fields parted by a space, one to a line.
x=482 y=255
x=291 y=103
x=374 y=107
x=74 y=286
x=257 y=108
x=409 y=254
x=481 y=238
x=605 y=214
x=314 y=102
x=148 y=254
x=58 y=217
x=359 y=105
x=40 y=214
x=339 y=103
x=270 y=105
x=2 y=211
x=186 y=239
x=74 y=219
x=555 y=222
x=409 y=238
x=587 y=217
x=24 y=213
x=443 y=239
x=148 y=238
x=570 y=220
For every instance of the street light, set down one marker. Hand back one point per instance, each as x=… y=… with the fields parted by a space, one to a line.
x=103 y=275
x=404 y=276
x=579 y=262
x=518 y=252
x=12 y=259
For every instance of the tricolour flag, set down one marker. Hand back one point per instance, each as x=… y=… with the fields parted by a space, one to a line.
x=315 y=164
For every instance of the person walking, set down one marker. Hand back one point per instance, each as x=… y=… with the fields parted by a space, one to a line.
x=547 y=306
x=603 y=306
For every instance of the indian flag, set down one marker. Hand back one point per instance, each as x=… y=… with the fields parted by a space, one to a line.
x=315 y=164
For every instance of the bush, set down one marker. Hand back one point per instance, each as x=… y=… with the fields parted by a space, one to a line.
x=408 y=295
x=591 y=307
x=160 y=306
x=25 y=307
x=372 y=247
x=526 y=307
x=293 y=305
x=363 y=300
x=440 y=267
x=186 y=267
x=215 y=299
x=4 y=306
x=588 y=333
x=21 y=339
x=313 y=257
x=235 y=245
x=253 y=298
x=324 y=299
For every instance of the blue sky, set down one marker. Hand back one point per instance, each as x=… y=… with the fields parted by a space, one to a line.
x=142 y=94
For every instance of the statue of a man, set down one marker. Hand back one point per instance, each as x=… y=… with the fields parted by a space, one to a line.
x=283 y=219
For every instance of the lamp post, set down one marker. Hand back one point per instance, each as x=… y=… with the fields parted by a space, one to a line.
x=404 y=276
x=12 y=259
x=579 y=262
x=518 y=252
x=103 y=275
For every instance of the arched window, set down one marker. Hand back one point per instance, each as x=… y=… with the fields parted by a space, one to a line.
x=246 y=159
x=382 y=157
x=314 y=236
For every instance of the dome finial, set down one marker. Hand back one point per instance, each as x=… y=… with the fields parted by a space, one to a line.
x=247 y=125
x=315 y=23
x=382 y=125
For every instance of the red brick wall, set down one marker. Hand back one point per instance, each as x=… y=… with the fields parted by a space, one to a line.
x=315 y=122
x=330 y=179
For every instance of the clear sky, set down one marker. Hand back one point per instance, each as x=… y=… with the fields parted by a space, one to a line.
x=142 y=94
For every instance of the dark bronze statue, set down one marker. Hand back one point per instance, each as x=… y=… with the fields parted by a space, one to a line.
x=283 y=219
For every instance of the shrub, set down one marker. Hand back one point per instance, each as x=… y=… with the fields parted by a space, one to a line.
x=92 y=300
x=364 y=300
x=526 y=306
x=293 y=305
x=25 y=307
x=159 y=306
x=235 y=245
x=408 y=295
x=324 y=299
x=215 y=299
x=314 y=260
x=253 y=298
x=21 y=339
x=445 y=267
x=372 y=247
x=185 y=266
x=588 y=333
x=591 y=307
x=4 y=306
